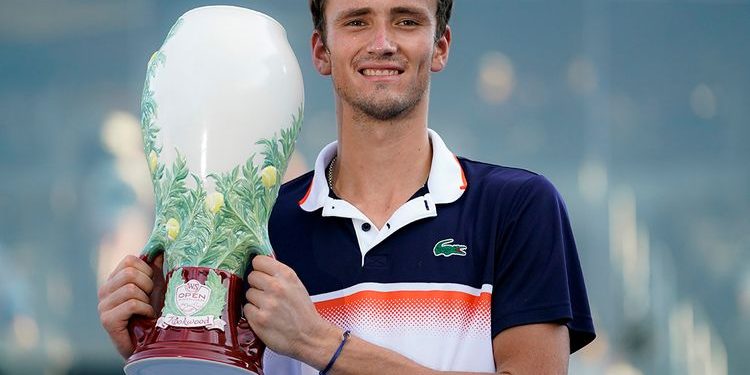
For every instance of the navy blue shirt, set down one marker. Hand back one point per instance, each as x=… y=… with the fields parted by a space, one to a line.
x=492 y=252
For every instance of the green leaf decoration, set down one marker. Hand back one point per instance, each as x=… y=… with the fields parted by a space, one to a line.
x=215 y=304
x=170 y=307
x=219 y=229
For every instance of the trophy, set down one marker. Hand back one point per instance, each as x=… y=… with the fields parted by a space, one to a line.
x=221 y=110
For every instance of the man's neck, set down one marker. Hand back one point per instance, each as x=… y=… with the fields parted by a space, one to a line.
x=380 y=165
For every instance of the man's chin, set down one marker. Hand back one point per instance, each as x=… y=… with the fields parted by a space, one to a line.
x=384 y=111
x=381 y=104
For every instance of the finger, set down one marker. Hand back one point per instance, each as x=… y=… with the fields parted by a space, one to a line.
x=121 y=295
x=259 y=280
x=254 y=297
x=250 y=311
x=132 y=261
x=118 y=317
x=267 y=265
x=128 y=276
x=257 y=318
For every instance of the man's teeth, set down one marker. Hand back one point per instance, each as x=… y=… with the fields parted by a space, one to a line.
x=380 y=72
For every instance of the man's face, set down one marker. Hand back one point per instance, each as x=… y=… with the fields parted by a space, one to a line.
x=380 y=53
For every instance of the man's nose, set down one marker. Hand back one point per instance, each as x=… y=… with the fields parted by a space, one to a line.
x=382 y=42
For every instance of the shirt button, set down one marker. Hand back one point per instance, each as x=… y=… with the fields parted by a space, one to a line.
x=366 y=227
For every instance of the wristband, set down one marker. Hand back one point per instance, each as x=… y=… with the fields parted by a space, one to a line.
x=336 y=355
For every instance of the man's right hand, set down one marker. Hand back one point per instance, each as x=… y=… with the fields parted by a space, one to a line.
x=131 y=289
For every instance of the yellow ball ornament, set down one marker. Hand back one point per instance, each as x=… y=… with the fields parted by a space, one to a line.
x=214 y=202
x=173 y=228
x=152 y=161
x=268 y=176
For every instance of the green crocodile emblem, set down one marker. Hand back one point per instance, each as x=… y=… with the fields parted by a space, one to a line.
x=446 y=248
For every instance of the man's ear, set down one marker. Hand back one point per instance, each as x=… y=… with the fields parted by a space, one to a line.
x=320 y=55
x=442 y=48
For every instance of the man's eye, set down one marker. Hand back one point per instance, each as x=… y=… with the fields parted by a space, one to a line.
x=408 y=22
x=355 y=23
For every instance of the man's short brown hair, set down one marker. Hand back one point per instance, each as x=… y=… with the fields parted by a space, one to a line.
x=443 y=14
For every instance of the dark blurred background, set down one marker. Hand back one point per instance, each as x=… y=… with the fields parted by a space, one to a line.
x=638 y=111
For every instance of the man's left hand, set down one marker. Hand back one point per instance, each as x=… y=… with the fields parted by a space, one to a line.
x=280 y=311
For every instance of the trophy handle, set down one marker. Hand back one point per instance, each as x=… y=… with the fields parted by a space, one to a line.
x=139 y=326
x=249 y=343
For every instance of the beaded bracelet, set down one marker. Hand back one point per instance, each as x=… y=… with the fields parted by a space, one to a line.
x=336 y=355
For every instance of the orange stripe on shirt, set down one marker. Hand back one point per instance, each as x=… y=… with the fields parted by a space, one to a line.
x=414 y=295
x=302 y=201
x=431 y=310
x=463 y=176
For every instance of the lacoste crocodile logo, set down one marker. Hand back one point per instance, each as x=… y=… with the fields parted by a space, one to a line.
x=446 y=248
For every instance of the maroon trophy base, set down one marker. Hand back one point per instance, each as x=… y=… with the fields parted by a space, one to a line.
x=198 y=350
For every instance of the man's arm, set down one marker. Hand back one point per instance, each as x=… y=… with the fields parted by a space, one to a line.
x=532 y=349
x=528 y=349
x=281 y=313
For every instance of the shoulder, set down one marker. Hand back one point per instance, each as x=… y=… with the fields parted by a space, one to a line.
x=287 y=203
x=508 y=182
x=286 y=210
x=292 y=191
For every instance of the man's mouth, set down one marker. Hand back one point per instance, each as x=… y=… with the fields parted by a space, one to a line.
x=379 y=72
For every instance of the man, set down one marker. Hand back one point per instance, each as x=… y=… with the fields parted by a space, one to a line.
x=432 y=262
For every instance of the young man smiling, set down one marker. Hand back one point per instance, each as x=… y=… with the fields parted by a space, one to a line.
x=432 y=262
x=403 y=259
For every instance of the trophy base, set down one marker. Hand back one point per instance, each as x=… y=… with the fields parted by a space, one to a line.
x=183 y=366
x=234 y=350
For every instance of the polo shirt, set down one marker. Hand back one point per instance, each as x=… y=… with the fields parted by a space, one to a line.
x=479 y=249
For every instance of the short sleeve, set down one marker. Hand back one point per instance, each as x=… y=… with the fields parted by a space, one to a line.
x=537 y=272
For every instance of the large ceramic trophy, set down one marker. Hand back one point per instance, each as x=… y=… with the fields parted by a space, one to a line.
x=221 y=110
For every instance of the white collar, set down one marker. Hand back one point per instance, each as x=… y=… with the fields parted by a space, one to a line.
x=446 y=182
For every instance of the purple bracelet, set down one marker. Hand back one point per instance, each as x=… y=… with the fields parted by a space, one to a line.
x=336 y=355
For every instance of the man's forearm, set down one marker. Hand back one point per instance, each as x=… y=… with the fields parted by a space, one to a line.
x=360 y=357
x=529 y=349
